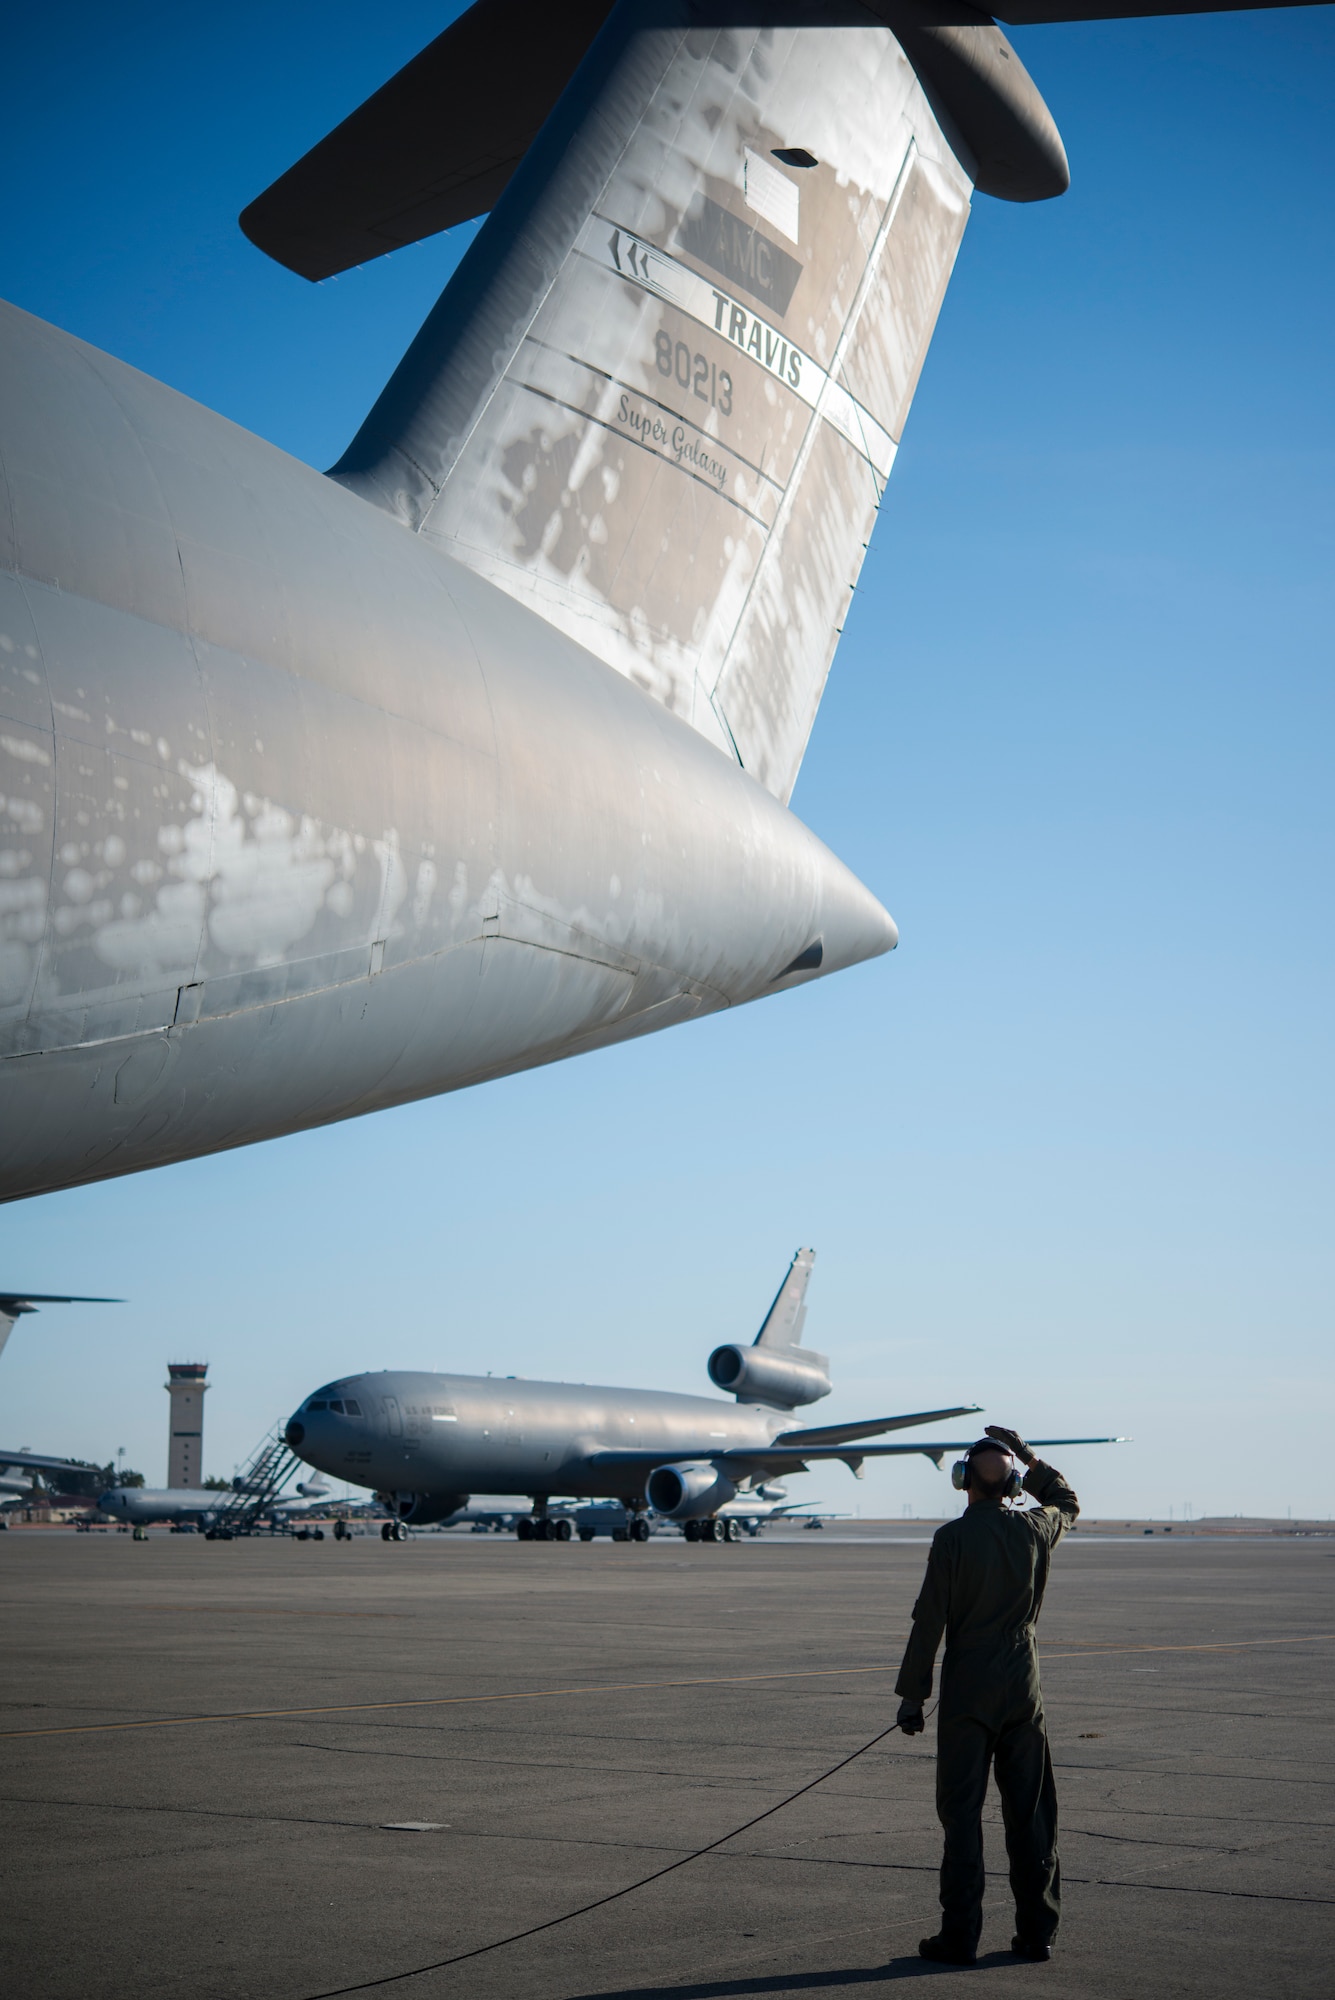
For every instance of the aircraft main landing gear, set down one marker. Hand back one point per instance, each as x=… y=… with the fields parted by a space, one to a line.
x=710 y=1530
x=543 y=1528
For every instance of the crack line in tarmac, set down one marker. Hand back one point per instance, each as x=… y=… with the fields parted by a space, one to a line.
x=613 y=1687
x=1204 y=1777
x=537 y=1764
x=668 y=1847
x=198 y=1812
x=1144 y=1840
x=1160 y=1812
x=997 y=1875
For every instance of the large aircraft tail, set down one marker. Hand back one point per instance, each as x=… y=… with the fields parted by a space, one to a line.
x=776 y=1368
x=660 y=398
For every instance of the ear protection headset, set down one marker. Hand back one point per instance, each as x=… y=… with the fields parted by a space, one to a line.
x=959 y=1471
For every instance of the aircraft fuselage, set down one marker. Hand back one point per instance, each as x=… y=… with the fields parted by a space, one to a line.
x=299 y=818
x=454 y=1435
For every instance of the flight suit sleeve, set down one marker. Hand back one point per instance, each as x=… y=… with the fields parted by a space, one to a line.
x=1056 y=1499
x=929 y=1622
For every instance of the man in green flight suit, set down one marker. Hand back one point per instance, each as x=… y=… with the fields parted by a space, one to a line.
x=984 y=1589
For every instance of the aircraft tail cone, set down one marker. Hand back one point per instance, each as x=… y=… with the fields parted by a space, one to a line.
x=848 y=924
x=855 y=925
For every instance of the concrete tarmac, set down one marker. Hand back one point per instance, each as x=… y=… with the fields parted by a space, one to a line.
x=206 y=1744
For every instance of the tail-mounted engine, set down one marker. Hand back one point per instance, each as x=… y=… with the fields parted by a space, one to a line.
x=776 y=1369
x=783 y=1376
x=688 y=1492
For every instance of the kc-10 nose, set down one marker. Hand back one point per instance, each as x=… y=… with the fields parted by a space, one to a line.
x=294 y=1433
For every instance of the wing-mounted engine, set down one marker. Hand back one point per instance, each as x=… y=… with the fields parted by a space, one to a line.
x=688 y=1492
x=776 y=1369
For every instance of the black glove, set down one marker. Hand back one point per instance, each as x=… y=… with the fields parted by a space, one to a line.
x=1013 y=1442
x=909 y=1718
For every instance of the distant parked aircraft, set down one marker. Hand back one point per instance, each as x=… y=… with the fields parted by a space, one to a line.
x=17 y=1468
x=141 y=1506
x=13 y=1305
x=426 y=1442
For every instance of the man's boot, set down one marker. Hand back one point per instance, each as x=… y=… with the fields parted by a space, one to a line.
x=944 y=1950
x=1024 y=1948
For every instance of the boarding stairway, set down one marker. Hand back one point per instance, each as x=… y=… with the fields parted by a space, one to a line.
x=254 y=1490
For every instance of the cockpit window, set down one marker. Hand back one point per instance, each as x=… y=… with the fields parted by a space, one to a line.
x=316 y=1404
x=337 y=1406
x=351 y=1409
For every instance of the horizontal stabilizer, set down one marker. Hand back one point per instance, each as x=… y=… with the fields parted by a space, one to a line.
x=435 y=146
x=438 y=143
x=1033 y=13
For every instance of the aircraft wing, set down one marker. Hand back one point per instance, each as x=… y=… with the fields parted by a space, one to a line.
x=790 y=1458
x=33 y=1461
x=434 y=146
x=780 y=1457
x=844 y=1433
x=21 y=1302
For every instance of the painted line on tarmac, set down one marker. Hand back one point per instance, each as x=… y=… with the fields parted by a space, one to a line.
x=1200 y=1646
x=603 y=1687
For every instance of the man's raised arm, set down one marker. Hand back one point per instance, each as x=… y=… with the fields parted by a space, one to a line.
x=1051 y=1491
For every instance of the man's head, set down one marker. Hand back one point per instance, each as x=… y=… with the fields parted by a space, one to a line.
x=988 y=1472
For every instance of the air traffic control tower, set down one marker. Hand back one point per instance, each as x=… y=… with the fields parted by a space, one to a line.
x=186 y=1386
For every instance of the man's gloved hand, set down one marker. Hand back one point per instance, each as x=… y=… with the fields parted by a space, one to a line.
x=909 y=1718
x=1013 y=1442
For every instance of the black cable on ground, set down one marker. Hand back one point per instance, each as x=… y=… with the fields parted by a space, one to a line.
x=516 y=1937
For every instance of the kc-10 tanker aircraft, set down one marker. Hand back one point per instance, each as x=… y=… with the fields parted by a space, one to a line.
x=426 y=1443
x=324 y=792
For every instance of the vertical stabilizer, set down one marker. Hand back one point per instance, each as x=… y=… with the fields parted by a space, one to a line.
x=785 y=1319
x=659 y=400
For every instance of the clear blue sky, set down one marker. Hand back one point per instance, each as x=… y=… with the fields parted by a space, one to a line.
x=1068 y=1152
